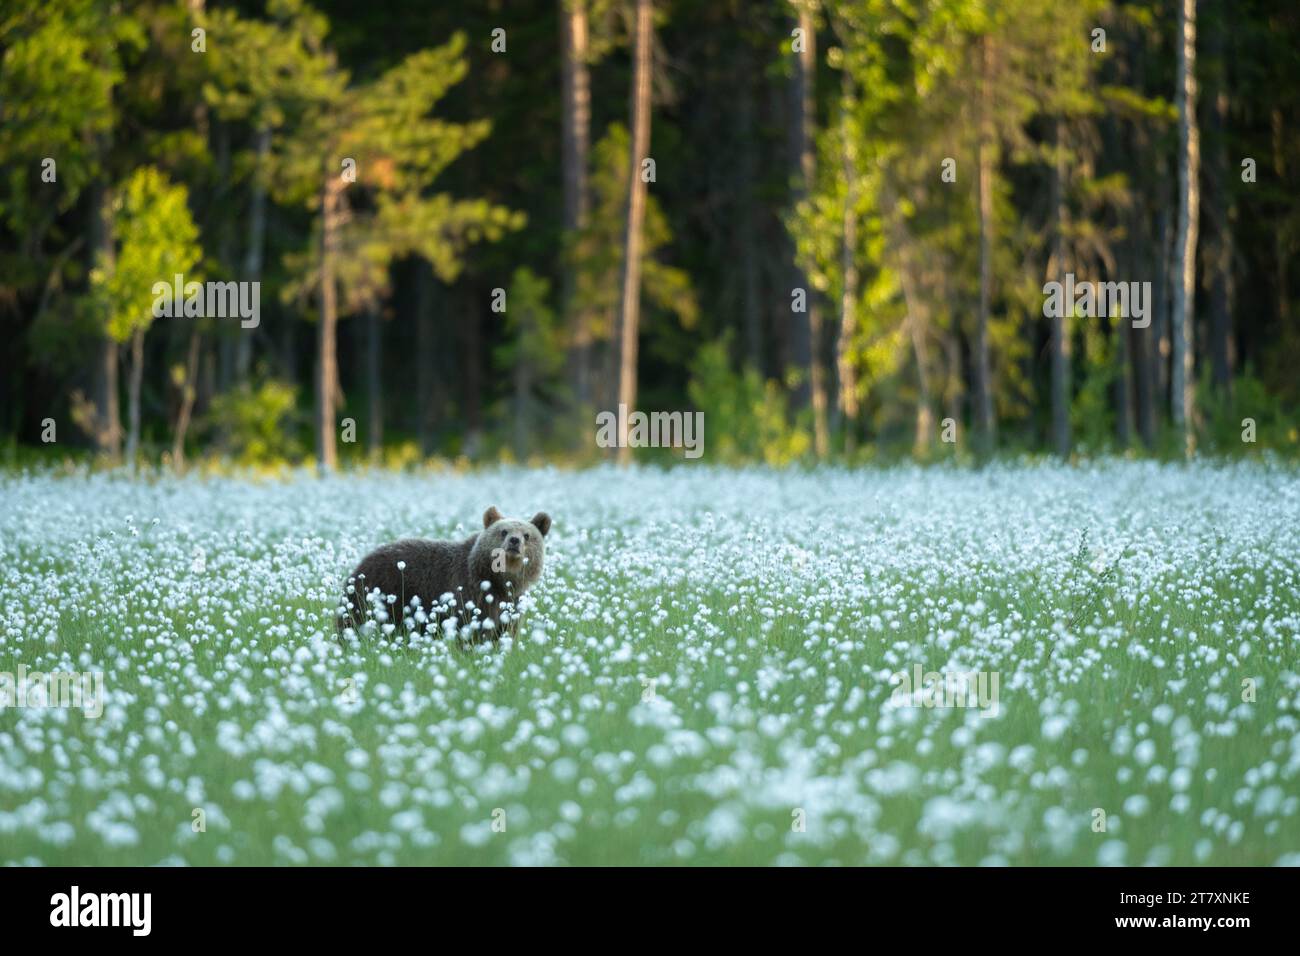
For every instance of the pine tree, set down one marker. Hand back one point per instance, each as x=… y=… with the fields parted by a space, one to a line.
x=361 y=157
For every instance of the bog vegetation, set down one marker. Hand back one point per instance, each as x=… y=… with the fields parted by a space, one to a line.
x=708 y=671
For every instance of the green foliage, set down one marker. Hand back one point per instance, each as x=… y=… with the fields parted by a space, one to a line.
x=257 y=424
x=259 y=70
x=61 y=60
x=599 y=249
x=535 y=337
x=1092 y=416
x=909 y=104
x=399 y=150
x=1223 y=418
x=156 y=240
x=450 y=141
x=59 y=63
x=745 y=417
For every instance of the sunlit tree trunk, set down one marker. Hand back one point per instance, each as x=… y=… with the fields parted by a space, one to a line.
x=134 y=386
x=807 y=334
x=575 y=148
x=917 y=331
x=1060 y=321
x=107 y=427
x=1124 y=381
x=327 y=380
x=1145 y=258
x=188 y=378
x=849 y=293
x=630 y=311
x=982 y=378
x=189 y=389
x=1182 y=379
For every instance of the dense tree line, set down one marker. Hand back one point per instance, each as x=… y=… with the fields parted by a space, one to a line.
x=829 y=225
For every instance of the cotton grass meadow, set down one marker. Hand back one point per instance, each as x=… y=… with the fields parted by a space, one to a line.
x=705 y=674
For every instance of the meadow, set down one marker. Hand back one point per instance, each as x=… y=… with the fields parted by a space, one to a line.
x=706 y=674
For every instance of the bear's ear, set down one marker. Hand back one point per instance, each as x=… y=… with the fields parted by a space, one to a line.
x=491 y=517
x=542 y=522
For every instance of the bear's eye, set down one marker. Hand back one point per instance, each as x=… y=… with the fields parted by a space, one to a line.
x=503 y=532
x=527 y=536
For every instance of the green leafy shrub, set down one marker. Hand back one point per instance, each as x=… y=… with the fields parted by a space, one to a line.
x=745 y=418
x=257 y=424
x=1226 y=420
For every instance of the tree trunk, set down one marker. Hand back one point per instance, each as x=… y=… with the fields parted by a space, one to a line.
x=327 y=376
x=427 y=377
x=747 y=179
x=188 y=392
x=806 y=343
x=924 y=402
x=227 y=339
x=630 y=312
x=1061 y=321
x=849 y=293
x=1163 y=296
x=523 y=386
x=256 y=244
x=1144 y=385
x=374 y=380
x=107 y=427
x=134 y=386
x=472 y=377
x=575 y=147
x=189 y=376
x=1143 y=243
x=916 y=325
x=955 y=387
x=1280 y=257
x=1123 y=331
x=1221 y=214
x=207 y=381
x=983 y=386
x=1144 y=378
x=1183 y=381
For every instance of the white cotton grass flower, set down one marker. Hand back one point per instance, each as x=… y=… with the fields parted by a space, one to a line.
x=723 y=636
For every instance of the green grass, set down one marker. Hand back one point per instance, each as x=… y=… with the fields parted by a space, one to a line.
x=554 y=731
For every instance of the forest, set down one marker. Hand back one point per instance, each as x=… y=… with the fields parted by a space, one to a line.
x=333 y=233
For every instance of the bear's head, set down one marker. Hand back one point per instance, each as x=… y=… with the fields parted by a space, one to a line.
x=515 y=549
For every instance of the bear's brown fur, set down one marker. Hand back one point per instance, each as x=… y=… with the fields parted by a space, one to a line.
x=507 y=554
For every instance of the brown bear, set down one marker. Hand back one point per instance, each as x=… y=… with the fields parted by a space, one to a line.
x=471 y=580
